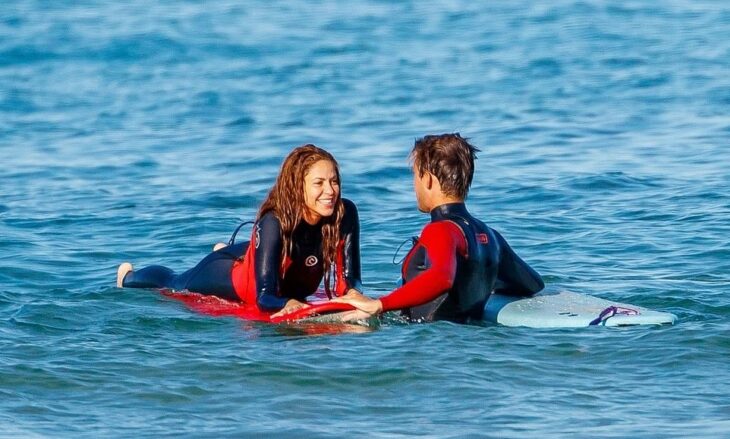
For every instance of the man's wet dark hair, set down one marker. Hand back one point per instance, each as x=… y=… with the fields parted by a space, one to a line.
x=450 y=158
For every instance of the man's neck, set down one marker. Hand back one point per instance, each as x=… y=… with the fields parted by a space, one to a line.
x=444 y=199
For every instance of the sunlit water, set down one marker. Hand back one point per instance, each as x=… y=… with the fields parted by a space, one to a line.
x=145 y=131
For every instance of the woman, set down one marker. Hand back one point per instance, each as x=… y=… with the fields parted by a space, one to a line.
x=304 y=231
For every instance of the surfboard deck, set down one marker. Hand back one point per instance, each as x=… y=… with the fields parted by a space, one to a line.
x=566 y=309
x=215 y=306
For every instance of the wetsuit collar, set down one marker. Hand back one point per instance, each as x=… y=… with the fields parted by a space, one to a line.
x=447 y=210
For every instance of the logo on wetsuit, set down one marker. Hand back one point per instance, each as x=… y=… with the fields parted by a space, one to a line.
x=482 y=238
x=311 y=261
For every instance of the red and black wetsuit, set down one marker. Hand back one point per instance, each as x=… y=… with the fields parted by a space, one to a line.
x=256 y=275
x=454 y=266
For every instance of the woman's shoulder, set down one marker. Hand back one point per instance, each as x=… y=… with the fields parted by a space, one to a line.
x=267 y=230
x=269 y=219
x=351 y=218
x=349 y=205
x=351 y=214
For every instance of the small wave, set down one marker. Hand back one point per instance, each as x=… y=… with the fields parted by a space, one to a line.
x=146 y=164
x=544 y=68
x=241 y=121
x=651 y=81
x=17 y=100
x=623 y=62
x=610 y=180
x=220 y=201
x=138 y=47
x=21 y=55
x=719 y=96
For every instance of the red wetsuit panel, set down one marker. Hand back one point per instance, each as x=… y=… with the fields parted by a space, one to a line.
x=341 y=286
x=443 y=241
x=240 y=275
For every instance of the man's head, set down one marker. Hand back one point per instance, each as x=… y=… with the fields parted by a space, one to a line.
x=447 y=157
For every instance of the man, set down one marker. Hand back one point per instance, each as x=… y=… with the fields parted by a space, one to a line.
x=457 y=261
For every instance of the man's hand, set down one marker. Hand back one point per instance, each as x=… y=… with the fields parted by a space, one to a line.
x=353 y=316
x=363 y=303
x=291 y=306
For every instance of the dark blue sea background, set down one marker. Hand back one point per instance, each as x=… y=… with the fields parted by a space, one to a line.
x=146 y=131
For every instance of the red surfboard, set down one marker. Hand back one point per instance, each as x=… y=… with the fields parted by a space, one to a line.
x=215 y=306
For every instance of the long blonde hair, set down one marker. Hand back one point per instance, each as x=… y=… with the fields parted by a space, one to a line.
x=286 y=201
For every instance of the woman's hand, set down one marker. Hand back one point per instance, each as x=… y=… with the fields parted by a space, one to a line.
x=291 y=306
x=353 y=294
x=363 y=303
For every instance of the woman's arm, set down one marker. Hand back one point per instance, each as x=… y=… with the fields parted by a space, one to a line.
x=351 y=250
x=267 y=263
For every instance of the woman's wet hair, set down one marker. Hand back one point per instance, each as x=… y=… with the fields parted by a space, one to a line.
x=286 y=201
x=450 y=158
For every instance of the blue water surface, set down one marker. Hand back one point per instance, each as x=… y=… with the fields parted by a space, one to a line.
x=145 y=131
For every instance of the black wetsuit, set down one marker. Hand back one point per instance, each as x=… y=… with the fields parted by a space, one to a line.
x=454 y=267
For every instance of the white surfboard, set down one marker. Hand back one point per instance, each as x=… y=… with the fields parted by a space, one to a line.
x=565 y=309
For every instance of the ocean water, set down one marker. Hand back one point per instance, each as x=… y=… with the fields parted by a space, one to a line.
x=145 y=131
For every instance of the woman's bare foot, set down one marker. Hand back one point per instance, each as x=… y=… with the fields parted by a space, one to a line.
x=122 y=271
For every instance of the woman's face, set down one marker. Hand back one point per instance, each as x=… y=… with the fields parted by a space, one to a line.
x=321 y=190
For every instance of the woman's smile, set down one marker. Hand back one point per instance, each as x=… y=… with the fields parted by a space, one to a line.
x=321 y=191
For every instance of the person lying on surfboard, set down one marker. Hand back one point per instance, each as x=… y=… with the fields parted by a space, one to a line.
x=458 y=261
x=304 y=232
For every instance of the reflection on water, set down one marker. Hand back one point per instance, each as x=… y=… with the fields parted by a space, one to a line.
x=322 y=328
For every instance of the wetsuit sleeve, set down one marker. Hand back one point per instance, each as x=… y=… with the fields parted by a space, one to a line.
x=267 y=263
x=443 y=240
x=351 y=249
x=515 y=277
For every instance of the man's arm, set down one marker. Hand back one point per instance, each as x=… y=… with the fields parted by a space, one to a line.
x=443 y=240
x=515 y=277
